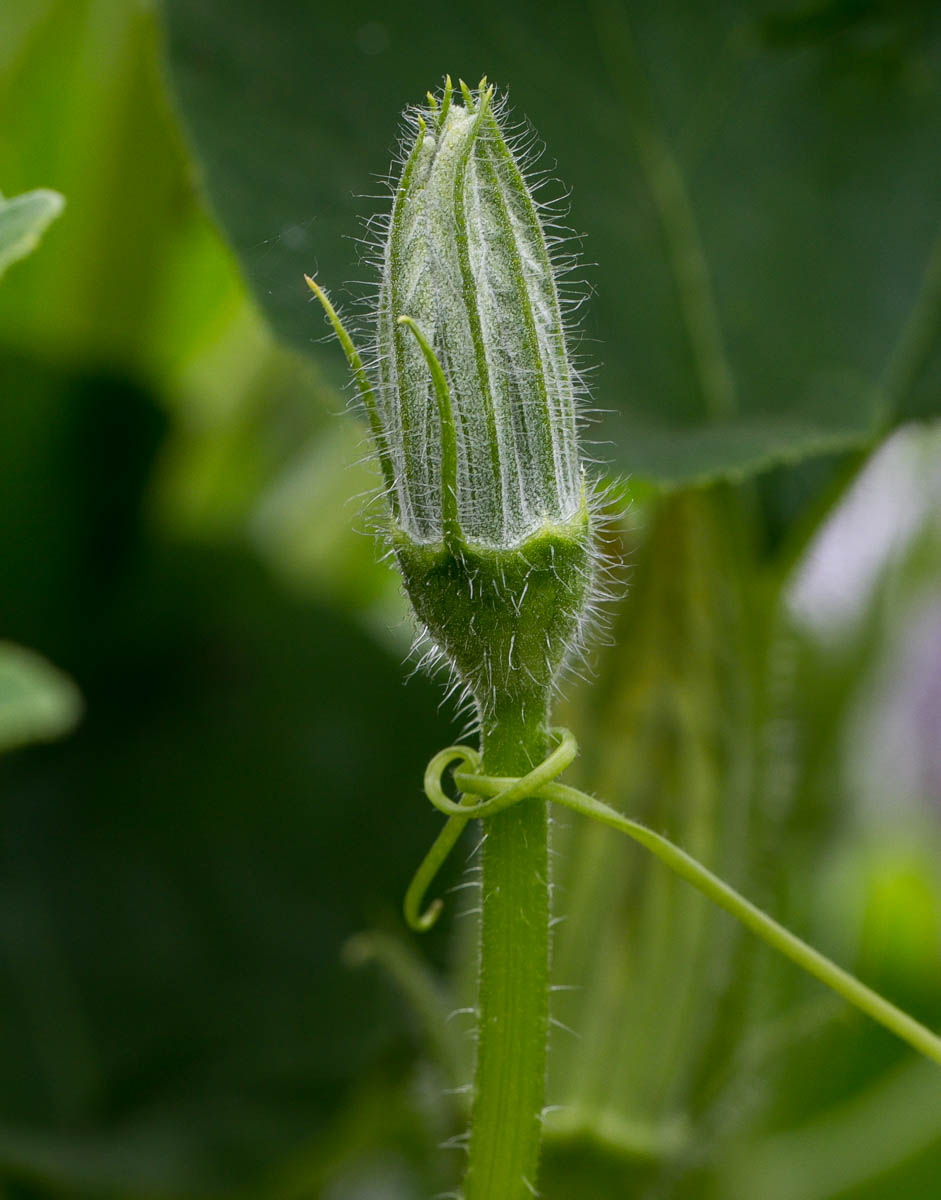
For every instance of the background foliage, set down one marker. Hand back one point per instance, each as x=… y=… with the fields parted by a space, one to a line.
x=181 y=536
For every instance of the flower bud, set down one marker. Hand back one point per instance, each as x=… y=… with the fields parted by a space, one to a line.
x=466 y=259
x=473 y=411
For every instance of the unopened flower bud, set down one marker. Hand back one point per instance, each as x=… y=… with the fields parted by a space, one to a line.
x=466 y=259
x=473 y=410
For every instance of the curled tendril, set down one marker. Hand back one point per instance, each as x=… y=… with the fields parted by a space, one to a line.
x=513 y=789
x=503 y=794
x=539 y=783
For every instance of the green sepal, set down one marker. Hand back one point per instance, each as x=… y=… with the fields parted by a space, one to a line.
x=506 y=618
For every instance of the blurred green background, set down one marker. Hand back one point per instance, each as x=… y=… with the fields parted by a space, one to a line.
x=212 y=748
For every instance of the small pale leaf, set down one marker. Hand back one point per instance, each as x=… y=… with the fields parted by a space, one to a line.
x=38 y=703
x=23 y=220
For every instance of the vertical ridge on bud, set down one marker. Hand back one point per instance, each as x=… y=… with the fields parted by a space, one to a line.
x=500 y=251
x=451 y=530
x=467 y=260
x=537 y=279
x=397 y=417
x=471 y=403
x=497 y=477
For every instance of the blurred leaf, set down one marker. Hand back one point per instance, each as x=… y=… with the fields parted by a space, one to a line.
x=37 y=702
x=22 y=221
x=658 y=976
x=760 y=183
x=137 y=280
x=178 y=882
x=381 y=1146
x=84 y=112
x=879 y=902
x=429 y=1000
x=849 y=1150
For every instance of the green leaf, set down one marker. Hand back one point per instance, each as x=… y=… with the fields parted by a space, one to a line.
x=175 y=1016
x=760 y=186
x=22 y=221
x=895 y=1122
x=37 y=702
x=658 y=1003
x=84 y=112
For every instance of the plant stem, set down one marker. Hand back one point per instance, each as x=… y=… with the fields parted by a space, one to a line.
x=513 y=1001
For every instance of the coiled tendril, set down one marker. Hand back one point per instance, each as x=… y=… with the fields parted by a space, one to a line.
x=484 y=795
x=503 y=793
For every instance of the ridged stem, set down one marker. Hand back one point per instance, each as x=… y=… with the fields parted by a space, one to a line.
x=513 y=1000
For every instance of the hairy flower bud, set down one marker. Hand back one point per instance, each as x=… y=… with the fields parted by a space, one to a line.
x=466 y=259
x=473 y=410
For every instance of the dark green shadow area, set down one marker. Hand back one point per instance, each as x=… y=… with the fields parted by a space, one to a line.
x=178 y=878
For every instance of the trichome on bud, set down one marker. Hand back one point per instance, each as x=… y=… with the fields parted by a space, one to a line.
x=472 y=403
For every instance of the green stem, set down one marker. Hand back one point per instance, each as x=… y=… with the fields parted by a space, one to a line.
x=513 y=1001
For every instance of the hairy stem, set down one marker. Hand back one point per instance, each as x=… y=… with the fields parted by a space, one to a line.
x=513 y=1002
